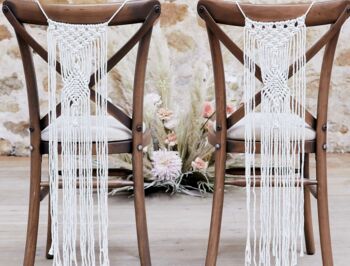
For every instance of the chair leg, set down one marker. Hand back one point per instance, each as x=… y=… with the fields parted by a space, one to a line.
x=34 y=209
x=140 y=210
x=217 y=208
x=49 y=234
x=323 y=214
x=309 y=235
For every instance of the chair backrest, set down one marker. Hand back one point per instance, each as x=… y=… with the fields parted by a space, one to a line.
x=146 y=12
x=215 y=12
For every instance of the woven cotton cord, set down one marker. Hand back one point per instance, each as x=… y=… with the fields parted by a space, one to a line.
x=249 y=82
x=274 y=46
x=82 y=50
x=53 y=149
x=101 y=146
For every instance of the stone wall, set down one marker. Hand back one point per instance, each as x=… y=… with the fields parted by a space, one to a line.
x=180 y=55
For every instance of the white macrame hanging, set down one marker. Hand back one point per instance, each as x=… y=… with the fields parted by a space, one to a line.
x=274 y=46
x=81 y=51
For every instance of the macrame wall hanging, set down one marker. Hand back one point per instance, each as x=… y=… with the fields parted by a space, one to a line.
x=81 y=51
x=274 y=46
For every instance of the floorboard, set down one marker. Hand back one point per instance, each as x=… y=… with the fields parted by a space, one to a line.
x=178 y=225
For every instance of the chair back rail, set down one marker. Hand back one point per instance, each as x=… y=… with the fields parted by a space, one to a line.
x=27 y=11
x=214 y=13
x=19 y=12
x=227 y=12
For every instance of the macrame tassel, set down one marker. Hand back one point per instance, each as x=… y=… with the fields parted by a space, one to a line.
x=82 y=50
x=274 y=46
x=102 y=146
x=53 y=146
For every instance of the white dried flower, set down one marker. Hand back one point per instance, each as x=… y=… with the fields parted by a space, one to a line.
x=153 y=99
x=166 y=165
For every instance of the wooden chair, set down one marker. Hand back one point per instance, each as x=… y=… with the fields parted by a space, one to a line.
x=146 y=12
x=225 y=137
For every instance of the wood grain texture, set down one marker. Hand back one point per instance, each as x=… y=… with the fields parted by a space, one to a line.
x=227 y=12
x=27 y=11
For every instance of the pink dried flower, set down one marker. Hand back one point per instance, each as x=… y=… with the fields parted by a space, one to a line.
x=199 y=164
x=164 y=114
x=208 y=109
x=171 y=139
x=229 y=109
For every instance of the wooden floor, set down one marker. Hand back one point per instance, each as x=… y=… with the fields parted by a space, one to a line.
x=178 y=225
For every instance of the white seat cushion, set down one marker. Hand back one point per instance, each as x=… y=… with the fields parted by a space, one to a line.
x=116 y=131
x=237 y=131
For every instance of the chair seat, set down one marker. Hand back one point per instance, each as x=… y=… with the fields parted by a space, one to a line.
x=237 y=131
x=116 y=131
